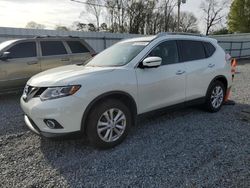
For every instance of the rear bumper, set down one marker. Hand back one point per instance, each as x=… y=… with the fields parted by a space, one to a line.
x=34 y=128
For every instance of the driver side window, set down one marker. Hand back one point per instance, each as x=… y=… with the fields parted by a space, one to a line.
x=23 y=50
x=167 y=51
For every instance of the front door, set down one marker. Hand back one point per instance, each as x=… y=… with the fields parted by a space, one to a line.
x=165 y=85
x=22 y=63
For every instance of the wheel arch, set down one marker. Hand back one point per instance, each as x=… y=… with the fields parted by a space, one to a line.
x=120 y=95
x=220 y=78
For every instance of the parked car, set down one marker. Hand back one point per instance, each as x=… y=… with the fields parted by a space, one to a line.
x=131 y=78
x=20 y=59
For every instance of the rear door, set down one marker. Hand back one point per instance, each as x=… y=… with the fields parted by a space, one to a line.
x=20 y=66
x=53 y=54
x=199 y=68
x=79 y=52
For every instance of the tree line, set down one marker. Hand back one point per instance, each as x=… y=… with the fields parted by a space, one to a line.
x=154 y=16
x=137 y=16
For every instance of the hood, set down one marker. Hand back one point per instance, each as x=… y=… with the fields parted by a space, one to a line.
x=65 y=75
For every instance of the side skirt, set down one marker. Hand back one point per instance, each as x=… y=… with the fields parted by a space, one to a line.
x=175 y=107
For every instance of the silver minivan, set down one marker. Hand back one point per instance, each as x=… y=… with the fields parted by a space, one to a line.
x=22 y=58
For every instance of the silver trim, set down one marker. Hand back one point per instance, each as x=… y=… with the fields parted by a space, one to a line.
x=28 y=123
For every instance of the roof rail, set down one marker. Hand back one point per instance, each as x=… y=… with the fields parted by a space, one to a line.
x=179 y=33
x=49 y=36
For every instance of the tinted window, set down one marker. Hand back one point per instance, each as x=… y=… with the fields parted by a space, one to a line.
x=191 y=50
x=210 y=49
x=52 y=48
x=77 y=47
x=23 y=50
x=167 y=51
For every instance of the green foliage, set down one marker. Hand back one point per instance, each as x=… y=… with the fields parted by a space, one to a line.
x=222 y=31
x=239 y=16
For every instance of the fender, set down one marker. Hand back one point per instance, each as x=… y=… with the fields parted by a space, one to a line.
x=220 y=77
x=106 y=95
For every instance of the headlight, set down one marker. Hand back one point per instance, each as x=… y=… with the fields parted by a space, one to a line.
x=58 y=92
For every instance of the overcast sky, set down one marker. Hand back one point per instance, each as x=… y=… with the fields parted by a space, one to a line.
x=16 y=13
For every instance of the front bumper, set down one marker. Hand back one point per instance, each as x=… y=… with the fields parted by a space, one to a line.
x=67 y=111
x=32 y=126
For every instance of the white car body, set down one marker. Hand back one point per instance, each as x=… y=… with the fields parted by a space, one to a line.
x=150 y=89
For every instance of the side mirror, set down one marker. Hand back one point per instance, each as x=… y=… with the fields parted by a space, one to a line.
x=152 y=62
x=4 y=56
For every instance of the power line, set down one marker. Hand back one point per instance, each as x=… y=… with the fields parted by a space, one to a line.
x=94 y=4
x=105 y=6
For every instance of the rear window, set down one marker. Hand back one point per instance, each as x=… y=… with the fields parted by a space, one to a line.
x=23 y=50
x=191 y=50
x=52 y=48
x=210 y=49
x=77 y=47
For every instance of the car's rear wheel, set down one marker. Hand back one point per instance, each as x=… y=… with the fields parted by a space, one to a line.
x=108 y=123
x=215 y=96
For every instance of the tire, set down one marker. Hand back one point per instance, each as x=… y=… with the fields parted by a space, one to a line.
x=100 y=124
x=215 y=96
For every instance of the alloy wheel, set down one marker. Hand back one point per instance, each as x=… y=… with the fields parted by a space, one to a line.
x=217 y=97
x=111 y=125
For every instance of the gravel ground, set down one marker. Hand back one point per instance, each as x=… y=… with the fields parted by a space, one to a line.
x=185 y=148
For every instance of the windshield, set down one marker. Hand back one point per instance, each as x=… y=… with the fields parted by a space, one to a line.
x=117 y=55
x=5 y=44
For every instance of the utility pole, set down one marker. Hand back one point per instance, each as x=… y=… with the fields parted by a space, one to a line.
x=179 y=13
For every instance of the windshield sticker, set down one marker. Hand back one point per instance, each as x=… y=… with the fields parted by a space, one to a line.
x=140 y=44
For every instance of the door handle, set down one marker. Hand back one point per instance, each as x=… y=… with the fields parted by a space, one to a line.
x=32 y=62
x=65 y=59
x=211 y=65
x=180 y=72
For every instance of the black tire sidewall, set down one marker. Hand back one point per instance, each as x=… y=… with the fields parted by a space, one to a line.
x=208 y=104
x=94 y=116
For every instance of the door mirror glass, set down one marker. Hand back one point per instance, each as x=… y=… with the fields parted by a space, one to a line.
x=152 y=62
x=5 y=55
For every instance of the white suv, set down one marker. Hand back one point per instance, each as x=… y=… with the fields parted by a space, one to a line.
x=130 y=78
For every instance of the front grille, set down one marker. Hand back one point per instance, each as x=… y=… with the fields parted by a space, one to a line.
x=31 y=92
x=40 y=91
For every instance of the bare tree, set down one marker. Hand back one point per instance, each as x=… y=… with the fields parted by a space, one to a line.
x=138 y=16
x=169 y=6
x=139 y=12
x=188 y=22
x=117 y=14
x=213 y=11
x=61 y=28
x=34 y=25
x=79 y=26
x=94 y=7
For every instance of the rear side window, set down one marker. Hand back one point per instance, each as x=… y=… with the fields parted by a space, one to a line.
x=23 y=50
x=191 y=50
x=77 y=47
x=210 y=49
x=167 y=51
x=52 y=48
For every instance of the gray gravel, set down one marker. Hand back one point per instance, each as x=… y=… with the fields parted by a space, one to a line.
x=185 y=148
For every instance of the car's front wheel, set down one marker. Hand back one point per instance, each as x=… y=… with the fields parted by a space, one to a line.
x=215 y=96
x=108 y=123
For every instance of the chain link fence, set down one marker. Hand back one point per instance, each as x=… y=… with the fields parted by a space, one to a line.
x=237 y=45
